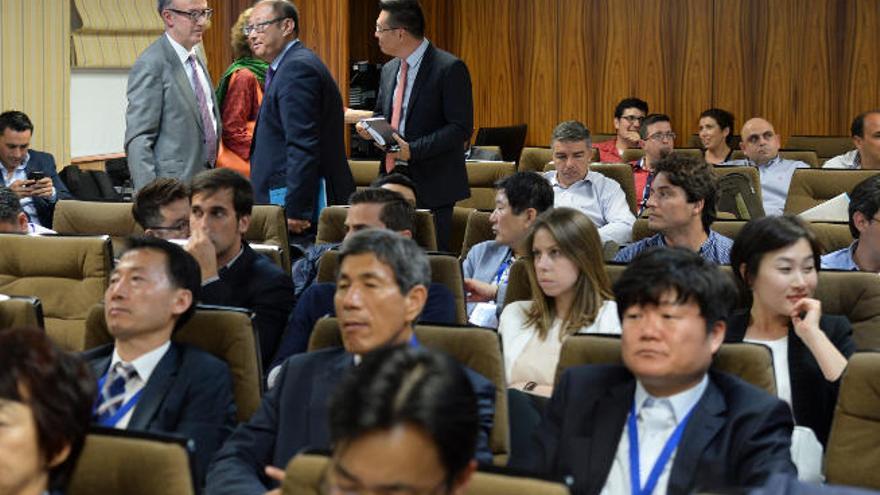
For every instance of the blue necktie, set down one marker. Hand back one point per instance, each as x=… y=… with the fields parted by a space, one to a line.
x=269 y=74
x=113 y=392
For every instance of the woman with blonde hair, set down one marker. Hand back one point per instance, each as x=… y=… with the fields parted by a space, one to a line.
x=239 y=94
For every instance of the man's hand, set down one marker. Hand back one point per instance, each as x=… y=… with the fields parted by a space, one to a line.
x=404 y=153
x=478 y=291
x=42 y=188
x=22 y=188
x=298 y=226
x=277 y=475
x=633 y=137
x=203 y=250
x=362 y=131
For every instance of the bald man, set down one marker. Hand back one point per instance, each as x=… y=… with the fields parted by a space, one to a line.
x=760 y=143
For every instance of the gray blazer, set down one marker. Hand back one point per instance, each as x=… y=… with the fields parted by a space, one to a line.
x=482 y=263
x=163 y=127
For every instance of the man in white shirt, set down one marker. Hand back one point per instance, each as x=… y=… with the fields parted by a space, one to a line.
x=865 y=131
x=575 y=186
x=13 y=219
x=662 y=423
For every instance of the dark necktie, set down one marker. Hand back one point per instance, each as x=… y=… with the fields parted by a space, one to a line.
x=269 y=74
x=207 y=122
x=113 y=392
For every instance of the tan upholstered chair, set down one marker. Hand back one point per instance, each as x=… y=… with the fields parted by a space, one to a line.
x=18 y=311
x=478 y=349
x=854 y=443
x=96 y=218
x=331 y=227
x=134 y=463
x=274 y=253
x=479 y=229
x=364 y=171
x=831 y=235
x=811 y=187
x=534 y=159
x=518 y=288
x=825 y=146
x=226 y=333
x=751 y=362
x=269 y=226
x=632 y=154
x=459 y=226
x=481 y=178
x=68 y=274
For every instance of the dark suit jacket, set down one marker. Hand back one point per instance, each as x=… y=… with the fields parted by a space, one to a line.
x=255 y=283
x=737 y=436
x=812 y=396
x=438 y=121
x=293 y=416
x=188 y=394
x=299 y=136
x=44 y=162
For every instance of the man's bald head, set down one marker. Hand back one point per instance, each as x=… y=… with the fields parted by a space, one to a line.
x=759 y=140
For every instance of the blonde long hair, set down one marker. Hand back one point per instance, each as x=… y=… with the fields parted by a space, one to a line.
x=578 y=240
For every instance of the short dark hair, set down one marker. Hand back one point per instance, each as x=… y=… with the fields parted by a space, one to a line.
x=10 y=205
x=397 y=213
x=15 y=120
x=865 y=199
x=856 y=129
x=183 y=270
x=411 y=386
x=58 y=388
x=693 y=279
x=406 y=14
x=158 y=193
x=725 y=120
x=630 y=103
x=759 y=237
x=526 y=190
x=210 y=181
x=402 y=255
x=398 y=179
x=652 y=119
x=570 y=131
x=697 y=179
x=285 y=9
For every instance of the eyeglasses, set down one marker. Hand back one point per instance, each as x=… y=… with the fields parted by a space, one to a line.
x=260 y=27
x=633 y=118
x=660 y=136
x=177 y=227
x=380 y=29
x=194 y=15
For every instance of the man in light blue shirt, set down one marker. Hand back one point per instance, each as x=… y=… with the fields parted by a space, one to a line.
x=575 y=186
x=864 y=253
x=761 y=145
x=865 y=131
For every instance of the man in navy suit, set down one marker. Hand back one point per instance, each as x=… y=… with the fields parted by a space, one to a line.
x=146 y=382
x=381 y=288
x=432 y=110
x=298 y=153
x=662 y=423
x=38 y=195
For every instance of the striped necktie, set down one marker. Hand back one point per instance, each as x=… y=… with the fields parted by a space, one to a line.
x=113 y=392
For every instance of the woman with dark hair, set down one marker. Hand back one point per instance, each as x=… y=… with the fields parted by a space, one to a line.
x=716 y=135
x=239 y=94
x=775 y=261
x=46 y=399
x=404 y=421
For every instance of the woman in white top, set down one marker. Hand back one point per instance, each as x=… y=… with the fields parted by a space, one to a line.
x=571 y=294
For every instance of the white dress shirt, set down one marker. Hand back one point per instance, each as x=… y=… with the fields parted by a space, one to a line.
x=145 y=365
x=183 y=55
x=600 y=198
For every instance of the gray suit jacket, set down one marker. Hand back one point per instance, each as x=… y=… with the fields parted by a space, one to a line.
x=163 y=127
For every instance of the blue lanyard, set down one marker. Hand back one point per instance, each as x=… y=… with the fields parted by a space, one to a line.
x=122 y=411
x=501 y=269
x=662 y=459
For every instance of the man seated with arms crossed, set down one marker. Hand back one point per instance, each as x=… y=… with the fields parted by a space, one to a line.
x=761 y=145
x=681 y=209
x=662 y=422
x=865 y=132
x=864 y=252
x=371 y=208
x=233 y=274
x=575 y=186
x=146 y=382
x=381 y=287
x=13 y=219
x=161 y=208
x=628 y=117
x=658 y=140
x=519 y=199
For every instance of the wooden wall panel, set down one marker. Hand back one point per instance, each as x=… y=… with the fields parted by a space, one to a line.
x=216 y=40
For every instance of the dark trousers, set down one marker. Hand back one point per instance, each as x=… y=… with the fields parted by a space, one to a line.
x=443 y=226
x=524 y=414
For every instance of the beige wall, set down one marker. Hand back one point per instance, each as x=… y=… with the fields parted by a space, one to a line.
x=35 y=69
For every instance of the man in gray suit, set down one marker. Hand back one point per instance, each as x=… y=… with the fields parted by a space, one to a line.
x=173 y=119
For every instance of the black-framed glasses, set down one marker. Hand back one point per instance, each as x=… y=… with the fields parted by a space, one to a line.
x=260 y=27
x=380 y=29
x=633 y=118
x=194 y=15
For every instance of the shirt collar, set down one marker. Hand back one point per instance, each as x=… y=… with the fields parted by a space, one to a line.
x=555 y=183
x=145 y=364
x=412 y=342
x=19 y=168
x=773 y=161
x=181 y=52
x=277 y=61
x=237 y=256
x=415 y=57
x=681 y=402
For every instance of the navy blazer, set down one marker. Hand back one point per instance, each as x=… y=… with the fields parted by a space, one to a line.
x=188 y=394
x=255 y=283
x=293 y=416
x=813 y=398
x=439 y=120
x=45 y=162
x=738 y=434
x=299 y=136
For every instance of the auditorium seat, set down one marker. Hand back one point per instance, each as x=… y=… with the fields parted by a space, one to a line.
x=620 y=172
x=269 y=226
x=854 y=443
x=331 y=227
x=477 y=348
x=133 y=463
x=825 y=146
x=226 y=333
x=364 y=171
x=459 y=227
x=479 y=229
x=18 y=311
x=68 y=274
x=811 y=187
x=96 y=218
x=481 y=179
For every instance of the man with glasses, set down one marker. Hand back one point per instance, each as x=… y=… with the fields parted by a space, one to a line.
x=298 y=151
x=628 y=117
x=172 y=120
x=657 y=139
x=161 y=208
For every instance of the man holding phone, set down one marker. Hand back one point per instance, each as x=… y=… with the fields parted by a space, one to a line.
x=30 y=174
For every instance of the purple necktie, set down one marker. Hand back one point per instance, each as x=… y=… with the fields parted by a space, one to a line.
x=207 y=122
x=269 y=74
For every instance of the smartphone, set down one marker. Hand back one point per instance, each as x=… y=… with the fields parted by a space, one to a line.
x=36 y=176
